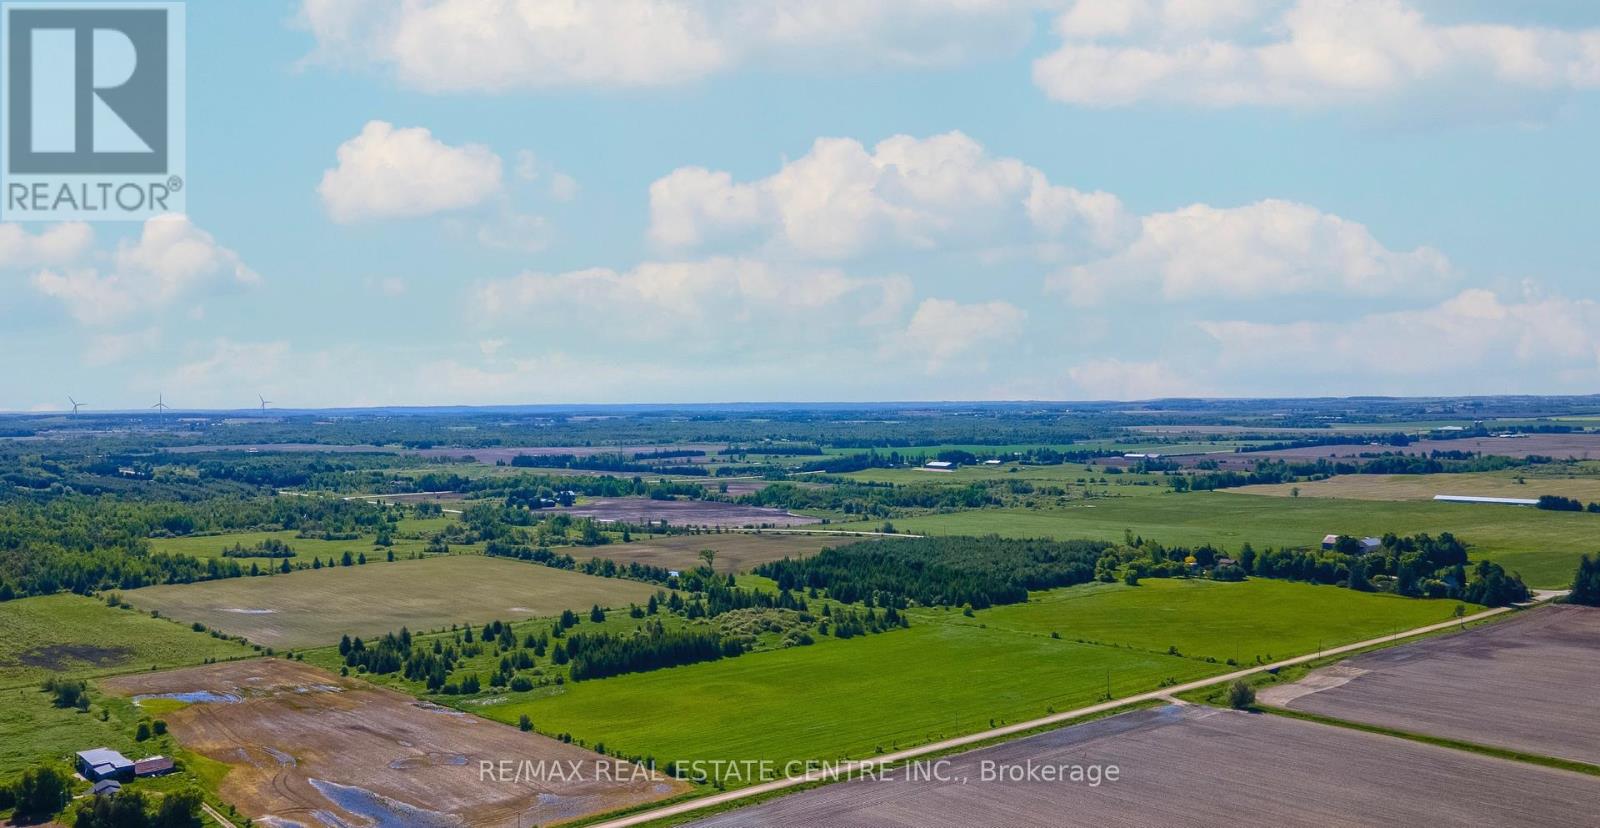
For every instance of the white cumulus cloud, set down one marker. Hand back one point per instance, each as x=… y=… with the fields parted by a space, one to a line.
x=942 y=330
x=1475 y=341
x=386 y=172
x=172 y=259
x=56 y=244
x=1310 y=53
x=1269 y=248
x=840 y=199
x=497 y=45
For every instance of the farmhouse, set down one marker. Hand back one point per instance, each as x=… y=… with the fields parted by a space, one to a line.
x=103 y=763
x=106 y=787
x=1368 y=545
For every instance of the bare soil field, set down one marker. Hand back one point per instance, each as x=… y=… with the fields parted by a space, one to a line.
x=1526 y=684
x=686 y=512
x=736 y=551
x=306 y=747
x=313 y=607
x=1195 y=766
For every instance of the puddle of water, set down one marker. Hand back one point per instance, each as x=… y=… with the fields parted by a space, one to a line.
x=382 y=811
x=192 y=697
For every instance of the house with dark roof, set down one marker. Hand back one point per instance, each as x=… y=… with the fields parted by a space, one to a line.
x=153 y=766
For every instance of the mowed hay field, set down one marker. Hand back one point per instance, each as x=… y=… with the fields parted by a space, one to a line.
x=1425 y=486
x=77 y=636
x=1527 y=684
x=948 y=674
x=212 y=546
x=843 y=698
x=1203 y=766
x=1544 y=546
x=308 y=747
x=1211 y=619
x=735 y=551
x=311 y=607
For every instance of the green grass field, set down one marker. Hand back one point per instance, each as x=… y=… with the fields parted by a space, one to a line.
x=1522 y=483
x=1544 y=546
x=950 y=674
x=32 y=730
x=77 y=636
x=312 y=607
x=735 y=551
x=211 y=546
x=1211 y=619
x=1067 y=475
x=843 y=698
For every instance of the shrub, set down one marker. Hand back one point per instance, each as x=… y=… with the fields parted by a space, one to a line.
x=1241 y=696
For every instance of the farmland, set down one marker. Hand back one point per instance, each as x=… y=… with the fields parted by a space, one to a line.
x=70 y=635
x=1523 y=684
x=1543 y=546
x=1519 y=484
x=318 y=744
x=884 y=643
x=684 y=512
x=212 y=546
x=950 y=674
x=1209 y=619
x=895 y=689
x=1194 y=766
x=735 y=551
x=310 y=607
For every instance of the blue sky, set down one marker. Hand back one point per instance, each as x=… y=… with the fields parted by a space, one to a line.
x=454 y=202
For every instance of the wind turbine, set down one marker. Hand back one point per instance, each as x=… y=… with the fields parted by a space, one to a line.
x=75 y=404
x=161 y=404
x=264 y=402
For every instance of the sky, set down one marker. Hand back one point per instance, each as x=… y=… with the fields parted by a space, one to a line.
x=455 y=202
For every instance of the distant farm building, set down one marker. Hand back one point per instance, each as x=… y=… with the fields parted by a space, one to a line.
x=1503 y=501
x=104 y=763
x=991 y=462
x=106 y=787
x=154 y=766
x=1141 y=455
x=1368 y=545
x=939 y=466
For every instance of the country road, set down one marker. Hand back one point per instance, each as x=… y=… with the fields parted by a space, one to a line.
x=216 y=815
x=835 y=772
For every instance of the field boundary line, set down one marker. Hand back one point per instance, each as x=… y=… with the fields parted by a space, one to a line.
x=834 y=772
x=1507 y=754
